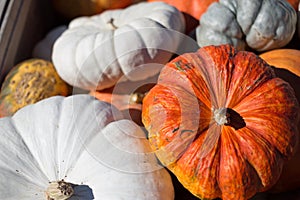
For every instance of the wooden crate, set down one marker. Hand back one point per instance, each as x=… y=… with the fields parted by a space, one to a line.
x=24 y=22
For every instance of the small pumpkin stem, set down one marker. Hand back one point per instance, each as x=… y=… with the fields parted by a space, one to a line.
x=59 y=190
x=228 y=117
x=137 y=98
x=221 y=116
x=111 y=23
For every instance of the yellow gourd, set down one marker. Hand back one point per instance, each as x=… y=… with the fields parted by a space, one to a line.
x=29 y=82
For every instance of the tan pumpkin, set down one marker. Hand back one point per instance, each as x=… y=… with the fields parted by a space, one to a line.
x=286 y=64
x=222 y=122
x=28 y=82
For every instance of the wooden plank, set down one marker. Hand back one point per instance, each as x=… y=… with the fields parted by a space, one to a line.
x=11 y=27
x=3 y=5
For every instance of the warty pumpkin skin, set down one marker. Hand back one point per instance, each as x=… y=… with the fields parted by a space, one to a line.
x=28 y=82
x=286 y=63
x=222 y=122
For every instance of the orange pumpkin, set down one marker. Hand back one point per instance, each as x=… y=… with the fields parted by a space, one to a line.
x=294 y=3
x=130 y=104
x=195 y=8
x=127 y=104
x=70 y=9
x=222 y=122
x=286 y=64
x=192 y=10
x=288 y=59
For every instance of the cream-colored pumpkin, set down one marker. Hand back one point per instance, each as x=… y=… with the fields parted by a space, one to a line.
x=94 y=52
x=78 y=140
x=259 y=24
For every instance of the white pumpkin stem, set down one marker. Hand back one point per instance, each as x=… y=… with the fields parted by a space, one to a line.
x=221 y=116
x=111 y=23
x=59 y=190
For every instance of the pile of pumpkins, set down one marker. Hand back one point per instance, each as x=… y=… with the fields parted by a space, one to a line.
x=156 y=99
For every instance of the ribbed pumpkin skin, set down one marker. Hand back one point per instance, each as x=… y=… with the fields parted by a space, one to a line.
x=28 y=82
x=286 y=64
x=222 y=122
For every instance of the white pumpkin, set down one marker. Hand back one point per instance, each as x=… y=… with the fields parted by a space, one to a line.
x=43 y=48
x=80 y=146
x=94 y=52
